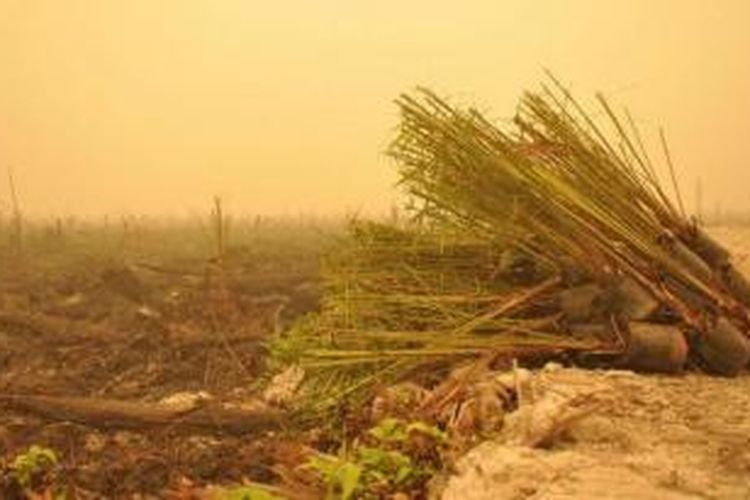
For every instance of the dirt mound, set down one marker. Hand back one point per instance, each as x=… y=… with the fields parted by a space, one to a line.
x=648 y=437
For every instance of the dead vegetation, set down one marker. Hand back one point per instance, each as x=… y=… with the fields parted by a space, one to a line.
x=550 y=239
x=135 y=363
x=183 y=363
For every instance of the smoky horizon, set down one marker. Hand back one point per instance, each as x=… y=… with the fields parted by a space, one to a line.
x=152 y=108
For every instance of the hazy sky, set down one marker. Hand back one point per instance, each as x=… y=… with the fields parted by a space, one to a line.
x=153 y=106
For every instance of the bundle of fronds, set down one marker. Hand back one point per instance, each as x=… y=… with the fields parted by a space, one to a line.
x=415 y=300
x=554 y=186
x=584 y=204
x=410 y=278
x=559 y=187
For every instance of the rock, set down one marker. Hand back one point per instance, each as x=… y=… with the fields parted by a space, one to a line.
x=283 y=387
x=539 y=422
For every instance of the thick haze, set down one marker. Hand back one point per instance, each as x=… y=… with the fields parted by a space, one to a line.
x=154 y=106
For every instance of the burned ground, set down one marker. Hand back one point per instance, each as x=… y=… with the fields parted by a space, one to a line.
x=76 y=321
x=147 y=330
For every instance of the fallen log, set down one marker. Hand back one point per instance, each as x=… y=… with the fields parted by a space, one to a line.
x=117 y=414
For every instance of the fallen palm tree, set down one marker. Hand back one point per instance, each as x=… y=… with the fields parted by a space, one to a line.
x=615 y=268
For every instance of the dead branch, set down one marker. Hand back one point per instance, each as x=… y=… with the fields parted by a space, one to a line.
x=116 y=414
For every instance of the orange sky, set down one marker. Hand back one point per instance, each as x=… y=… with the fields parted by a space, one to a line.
x=153 y=106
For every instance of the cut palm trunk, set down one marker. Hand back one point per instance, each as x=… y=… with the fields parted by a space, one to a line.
x=592 y=301
x=723 y=348
x=654 y=348
x=712 y=253
x=737 y=284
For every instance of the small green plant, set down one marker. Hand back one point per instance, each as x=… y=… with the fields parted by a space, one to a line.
x=395 y=430
x=251 y=492
x=34 y=463
x=36 y=472
x=341 y=477
x=396 y=456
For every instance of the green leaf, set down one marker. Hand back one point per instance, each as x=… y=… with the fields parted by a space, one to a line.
x=404 y=473
x=389 y=430
x=37 y=460
x=252 y=492
x=338 y=474
x=383 y=460
x=428 y=430
x=349 y=475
